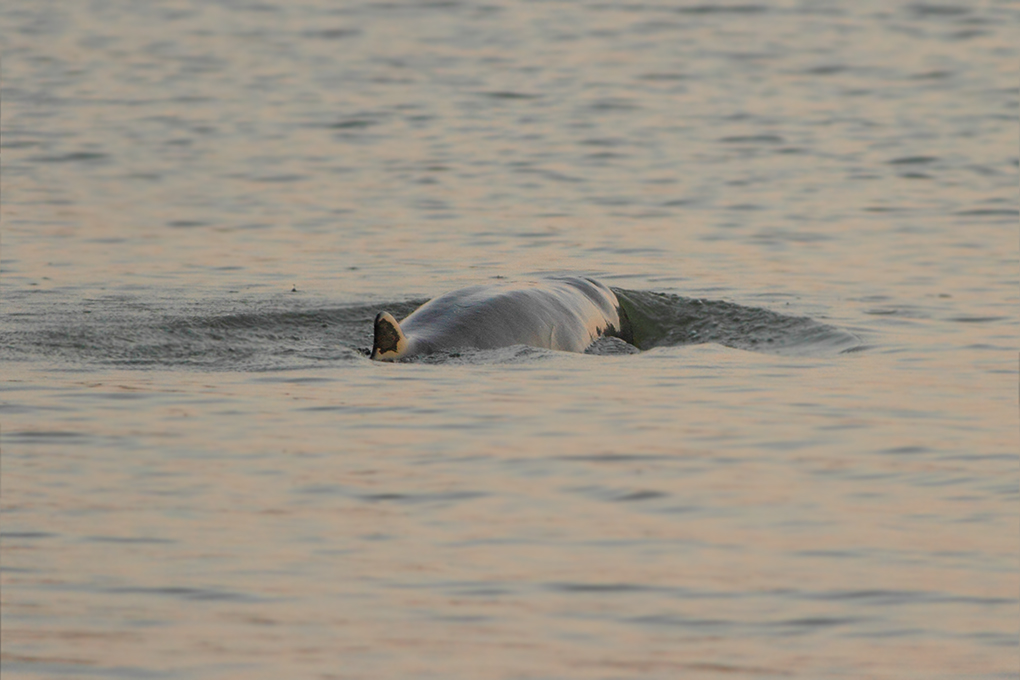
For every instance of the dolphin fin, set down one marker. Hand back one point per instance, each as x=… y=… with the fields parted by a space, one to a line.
x=390 y=342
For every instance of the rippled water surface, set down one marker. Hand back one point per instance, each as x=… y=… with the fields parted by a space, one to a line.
x=810 y=471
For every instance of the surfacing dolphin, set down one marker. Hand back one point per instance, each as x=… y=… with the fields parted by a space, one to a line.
x=563 y=313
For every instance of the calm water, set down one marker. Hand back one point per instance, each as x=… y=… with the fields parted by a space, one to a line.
x=205 y=204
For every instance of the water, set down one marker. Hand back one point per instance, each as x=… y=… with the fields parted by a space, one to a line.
x=810 y=472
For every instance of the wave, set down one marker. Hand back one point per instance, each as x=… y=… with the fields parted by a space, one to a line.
x=280 y=334
x=665 y=320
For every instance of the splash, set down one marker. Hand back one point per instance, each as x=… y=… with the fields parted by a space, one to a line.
x=665 y=320
x=284 y=334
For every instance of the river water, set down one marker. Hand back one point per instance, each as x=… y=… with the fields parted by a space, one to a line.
x=813 y=473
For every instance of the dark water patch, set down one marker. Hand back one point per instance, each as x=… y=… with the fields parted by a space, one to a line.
x=827 y=69
x=482 y=591
x=442 y=498
x=358 y=409
x=73 y=157
x=775 y=236
x=611 y=201
x=61 y=436
x=640 y=495
x=883 y=633
x=508 y=94
x=663 y=77
x=989 y=212
x=813 y=623
x=619 y=495
x=614 y=104
x=186 y=224
x=752 y=139
x=977 y=319
x=723 y=9
x=279 y=179
x=906 y=450
x=129 y=540
x=49 y=666
x=107 y=240
x=932 y=75
x=926 y=10
x=667 y=320
x=995 y=639
x=433 y=499
x=678 y=621
x=18 y=408
x=612 y=458
x=431 y=204
x=21 y=144
x=91 y=395
x=906 y=312
x=610 y=588
x=254 y=335
x=830 y=554
x=940 y=479
x=193 y=594
x=352 y=124
x=323 y=489
x=968 y=33
x=471 y=588
x=985 y=170
x=332 y=33
x=427 y=4
x=604 y=142
x=25 y=535
x=681 y=509
x=384 y=497
x=914 y=160
x=606 y=156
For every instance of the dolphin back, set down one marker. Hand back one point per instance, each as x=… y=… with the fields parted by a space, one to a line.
x=561 y=313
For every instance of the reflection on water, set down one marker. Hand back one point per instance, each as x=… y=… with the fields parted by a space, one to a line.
x=205 y=204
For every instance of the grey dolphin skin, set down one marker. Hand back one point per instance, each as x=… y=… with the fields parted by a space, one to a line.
x=563 y=313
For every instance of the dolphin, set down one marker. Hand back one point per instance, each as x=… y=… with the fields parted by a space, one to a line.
x=564 y=313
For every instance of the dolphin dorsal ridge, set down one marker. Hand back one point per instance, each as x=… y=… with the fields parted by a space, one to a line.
x=390 y=342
